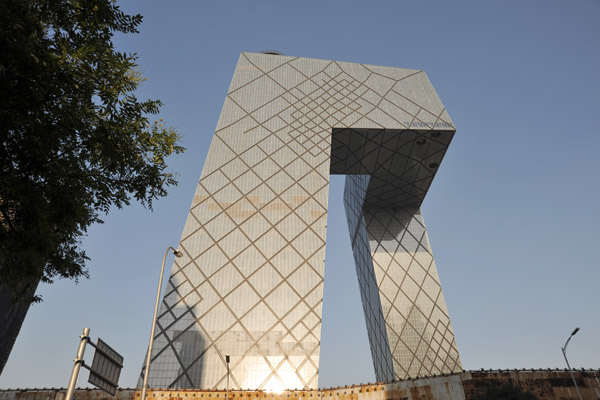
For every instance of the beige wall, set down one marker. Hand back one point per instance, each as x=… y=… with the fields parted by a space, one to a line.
x=547 y=385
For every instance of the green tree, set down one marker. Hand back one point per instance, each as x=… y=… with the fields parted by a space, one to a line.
x=74 y=142
x=506 y=391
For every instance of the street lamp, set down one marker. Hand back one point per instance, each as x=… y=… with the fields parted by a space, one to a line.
x=564 y=350
x=227 y=361
x=177 y=254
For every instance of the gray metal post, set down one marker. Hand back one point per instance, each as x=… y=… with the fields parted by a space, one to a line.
x=85 y=337
x=564 y=351
x=227 y=361
x=149 y=353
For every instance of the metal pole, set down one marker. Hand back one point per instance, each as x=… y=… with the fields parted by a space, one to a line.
x=227 y=361
x=149 y=353
x=564 y=351
x=85 y=337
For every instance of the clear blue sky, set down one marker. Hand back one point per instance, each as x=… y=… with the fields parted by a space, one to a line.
x=513 y=214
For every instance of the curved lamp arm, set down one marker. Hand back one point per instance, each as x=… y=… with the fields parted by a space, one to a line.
x=177 y=254
x=564 y=351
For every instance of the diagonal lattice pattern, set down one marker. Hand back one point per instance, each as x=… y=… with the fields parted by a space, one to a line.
x=250 y=283
x=401 y=164
x=418 y=327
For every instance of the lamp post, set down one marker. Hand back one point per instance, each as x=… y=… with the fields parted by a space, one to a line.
x=177 y=254
x=564 y=351
x=227 y=361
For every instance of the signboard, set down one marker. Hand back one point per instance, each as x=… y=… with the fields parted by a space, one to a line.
x=106 y=368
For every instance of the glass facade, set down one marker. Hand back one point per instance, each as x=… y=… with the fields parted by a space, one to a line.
x=250 y=283
x=405 y=311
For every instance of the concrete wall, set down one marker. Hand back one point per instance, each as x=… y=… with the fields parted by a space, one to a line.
x=545 y=384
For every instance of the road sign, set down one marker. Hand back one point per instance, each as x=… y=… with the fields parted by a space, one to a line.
x=106 y=368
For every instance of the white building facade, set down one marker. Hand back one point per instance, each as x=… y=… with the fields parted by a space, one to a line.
x=250 y=283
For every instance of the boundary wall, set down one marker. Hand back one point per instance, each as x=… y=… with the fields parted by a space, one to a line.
x=545 y=384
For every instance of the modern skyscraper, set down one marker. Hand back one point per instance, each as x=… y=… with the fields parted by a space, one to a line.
x=250 y=283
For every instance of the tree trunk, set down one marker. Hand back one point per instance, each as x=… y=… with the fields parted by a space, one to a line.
x=12 y=315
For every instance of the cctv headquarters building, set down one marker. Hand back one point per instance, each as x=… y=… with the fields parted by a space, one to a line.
x=250 y=282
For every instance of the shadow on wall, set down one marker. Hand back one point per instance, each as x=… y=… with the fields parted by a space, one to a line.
x=182 y=351
x=190 y=346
